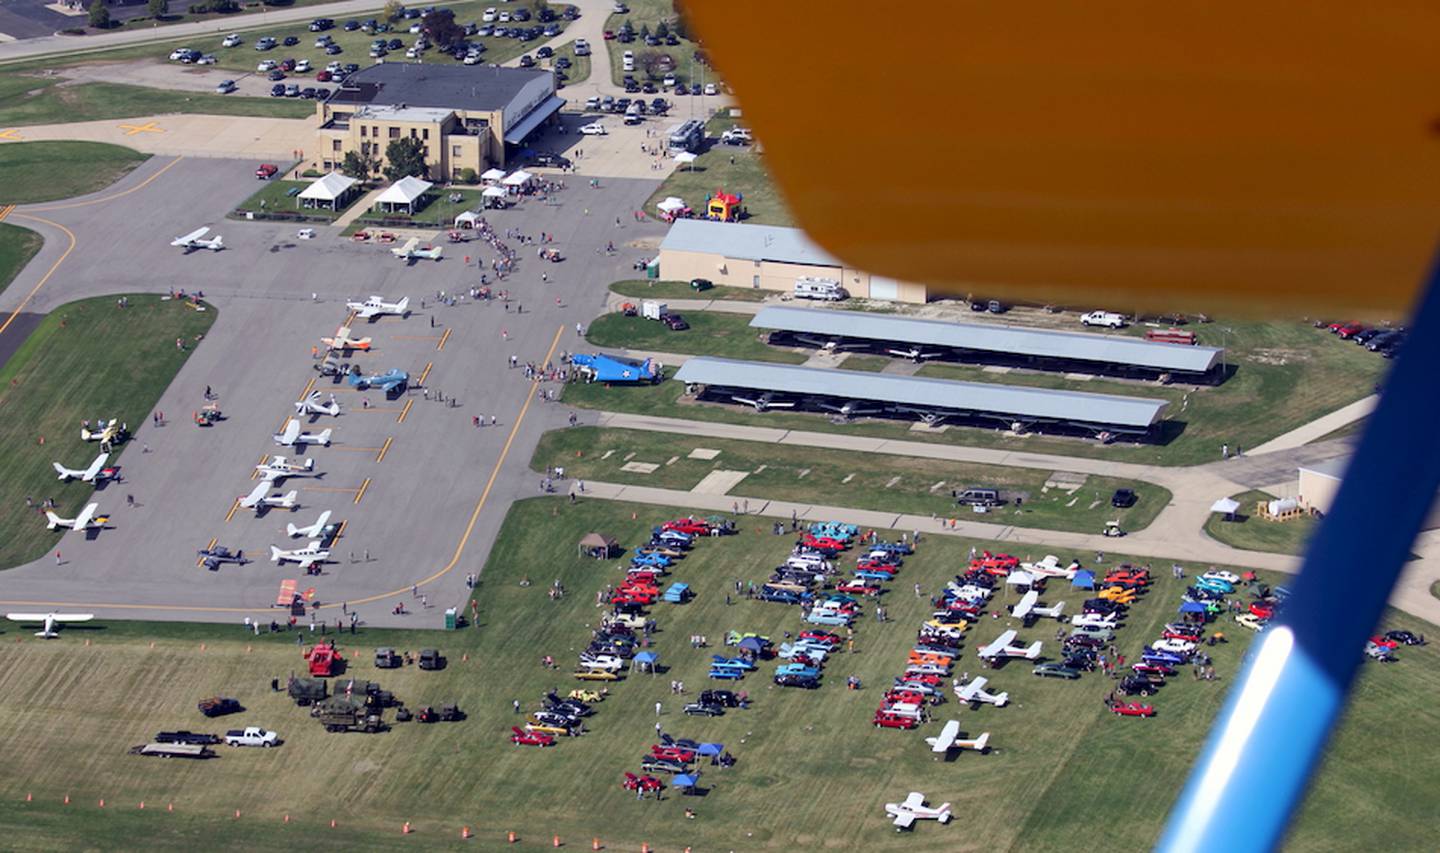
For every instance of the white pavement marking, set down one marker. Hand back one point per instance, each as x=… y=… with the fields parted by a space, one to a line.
x=1318 y=428
x=719 y=482
x=704 y=453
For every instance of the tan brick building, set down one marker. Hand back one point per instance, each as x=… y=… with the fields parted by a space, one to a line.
x=465 y=116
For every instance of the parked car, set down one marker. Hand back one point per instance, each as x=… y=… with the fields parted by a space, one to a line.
x=594 y=128
x=232 y=40
x=266 y=171
x=1123 y=498
x=225 y=87
x=1107 y=319
x=674 y=322
x=1055 y=670
x=266 y=43
x=275 y=74
x=552 y=160
x=277 y=91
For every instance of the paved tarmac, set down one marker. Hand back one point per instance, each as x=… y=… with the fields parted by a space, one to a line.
x=436 y=492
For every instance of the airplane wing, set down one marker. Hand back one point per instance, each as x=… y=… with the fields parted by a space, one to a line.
x=916 y=800
x=968 y=692
x=367 y=312
x=306 y=562
x=946 y=739
x=998 y=645
x=292 y=431
x=86 y=515
x=253 y=499
x=65 y=473
x=1027 y=603
x=190 y=238
x=904 y=819
x=72 y=617
x=95 y=467
x=26 y=617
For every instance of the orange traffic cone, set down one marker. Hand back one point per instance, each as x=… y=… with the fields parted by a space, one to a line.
x=465 y=832
x=555 y=842
x=594 y=844
x=405 y=829
x=142 y=804
x=510 y=836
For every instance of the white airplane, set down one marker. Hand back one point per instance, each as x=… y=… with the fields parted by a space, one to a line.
x=1050 y=567
x=343 y=341
x=192 y=241
x=314 y=405
x=950 y=739
x=278 y=468
x=1030 y=605
x=375 y=307
x=852 y=409
x=312 y=530
x=105 y=431
x=764 y=402
x=258 y=501
x=974 y=691
x=970 y=591
x=85 y=475
x=411 y=251
x=86 y=520
x=913 y=809
x=915 y=354
x=51 y=622
x=292 y=435
x=306 y=557
x=1001 y=648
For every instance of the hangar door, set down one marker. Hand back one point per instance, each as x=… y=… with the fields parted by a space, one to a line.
x=884 y=288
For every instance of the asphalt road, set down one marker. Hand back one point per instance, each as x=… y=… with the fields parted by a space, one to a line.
x=420 y=517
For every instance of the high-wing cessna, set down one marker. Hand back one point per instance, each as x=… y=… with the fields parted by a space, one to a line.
x=1050 y=567
x=913 y=809
x=1001 y=648
x=258 y=501
x=86 y=520
x=192 y=241
x=306 y=557
x=973 y=691
x=375 y=307
x=317 y=530
x=51 y=622
x=84 y=475
x=1029 y=607
x=343 y=341
x=949 y=739
x=105 y=432
x=765 y=402
x=277 y=468
x=412 y=251
x=316 y=405
x=292 y=436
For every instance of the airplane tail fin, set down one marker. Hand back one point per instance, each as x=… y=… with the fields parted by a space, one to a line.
x=54 y=521
x=1033 y=651
x=309 y=464
x=218 y=243
x=293 y=531
x=289 y=501
x=403 y=306
x=324 y=438
x=982 y=743
x=275 y=552
x=1001 y=699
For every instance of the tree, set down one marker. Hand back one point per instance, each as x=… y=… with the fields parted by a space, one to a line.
x=644 y=31
x=357 y=165
x=406 y=158
x=99 y=15
x=158 y=8
x=662 y=30
x=439 y=26
x=393 y=10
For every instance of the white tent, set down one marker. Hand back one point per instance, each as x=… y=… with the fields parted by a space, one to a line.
x=1225 y=505
x=518 y=179
x=492 y=176
x=330 y=191
x=493 y=192
x=403 y=193
x=671 y=205
x=686 y=157
x=493 y=197
x=1020 y=578
x=467 y=219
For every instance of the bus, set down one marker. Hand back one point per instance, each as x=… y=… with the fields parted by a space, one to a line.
x=687 y=136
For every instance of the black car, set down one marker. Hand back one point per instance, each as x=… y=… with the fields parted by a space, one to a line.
x=695 y=89
x=195 y=738
x=520 y=15
x=562 y=62
x=545 y=15
x=649 y=88
x=431 y=659
x=219 y=706
x=654 y=763
x=308 y=93
x=1405 y=637
x=704 y=709
x=632 y=88
x=674 y=322
x=527 y=61
x=352 y=26
x=720 y=697
x=290 y=41
x=351 y=68
x=394 y=44
x=277 y=74
x=1137 y=685
x=652 y=41
x=1365 y=335
x=545 y=52
x=277 y=91
x=551 y=31
x=1123 y=498
x=333 y=50
x=556 y=161
x=672 y=40
x=659 y=105
x=571 y=13
x=321 y=24
x=1080 y=659
x=806 y=682
x=1384 y=339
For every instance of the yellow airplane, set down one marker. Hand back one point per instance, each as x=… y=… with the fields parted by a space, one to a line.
x=106 y=432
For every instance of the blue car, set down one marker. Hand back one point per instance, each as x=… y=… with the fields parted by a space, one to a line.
x=1214 y=585
x=783 y=596
x=727 y=674
x=797 y=669
x=659 y=560
x=1167 y=658
x=718 y=662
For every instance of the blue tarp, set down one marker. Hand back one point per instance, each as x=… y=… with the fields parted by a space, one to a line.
x=1192 y=607
x=710 y=749
x=1083 y=579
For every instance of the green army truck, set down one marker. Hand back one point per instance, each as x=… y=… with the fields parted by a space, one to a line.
x=341 y=715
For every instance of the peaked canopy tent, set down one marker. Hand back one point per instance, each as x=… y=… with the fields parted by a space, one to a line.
x=599 y=546
x=403 y=194
x=332 y=191
x=1084 y=579
x=467 y=219
x=493 y=176
x=518 y=180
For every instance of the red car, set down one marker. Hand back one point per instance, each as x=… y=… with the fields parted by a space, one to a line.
x=909 y=697
x=1385 y=643
x=858 y=587
x=1159 y=669
x=823 y=636
x=609 y=35
x=1128 y=577
x=876 y=566
x=687 y=525
x=674 y=753
x=520 y=737
x=266 y=171
x=642 y=783
x=887 y=720
x=322 y=76
x=823 y=543
x=1182 y=635
x=1133 y=709
x=929 y=678
x=1337 y=326
x=644 y=576
x=1349 y=330
x=1262 y=610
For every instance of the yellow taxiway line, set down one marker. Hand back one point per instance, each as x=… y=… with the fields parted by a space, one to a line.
x=341 y=531
x=255 y=475
x=363 y=488
x=443 y=338
x=48 y=273
x=405 y=411
x=140 y=186
x=200 y=561
x=424 y=373
x=384 y=450
x=6 y=211
x=231 y=514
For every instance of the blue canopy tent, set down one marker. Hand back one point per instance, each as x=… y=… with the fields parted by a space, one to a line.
x=646 y=661
x=1192 y=607
x=687 y=782
x=753 y=644
x=1084 y=579
x=710 y=749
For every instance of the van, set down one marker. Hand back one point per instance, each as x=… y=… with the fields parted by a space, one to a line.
x=632 y=114
x=627 y=62
x=823 y=289
x=978 y=497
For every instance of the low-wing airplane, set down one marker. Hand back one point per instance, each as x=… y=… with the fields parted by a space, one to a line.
x=1001 y=648
x=192 y=241
x=765 y=402
x=343 y=341
x=599 y=367
x=376 y=306
x=831 y=344
x=390 y=381
x=316 y=405
x=105 y=432
x=278 y=468
x=86 y=520
x=915 y=354
x=313 y=531
x=1050 y=567
x=852 y=409
x=217 y=555
x=913 y=809
x=292 y=436
x=85 y=475
x=949 y=739
x=412 y=251
x=1030 y=606
x=974 y=692
x=306 y=557
x=258 y=501
x=51 y=622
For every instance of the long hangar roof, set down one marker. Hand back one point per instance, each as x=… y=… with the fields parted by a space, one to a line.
x=746 y=242
x=1007 y=400
x=1043 y=343
x=454 y=87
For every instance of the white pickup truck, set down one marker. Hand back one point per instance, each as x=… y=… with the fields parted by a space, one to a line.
x=1108 y=319
x=251 y=736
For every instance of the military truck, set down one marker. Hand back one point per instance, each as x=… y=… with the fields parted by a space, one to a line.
x=364 y=693
x=340 y=715
x=386 y=658
x=431 y=659
x=307 y=691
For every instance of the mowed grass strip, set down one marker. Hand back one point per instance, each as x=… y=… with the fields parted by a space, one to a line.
x=710 y=333
x=30 y=100
x=898 y=484
x=33 y=172
x=656 y=289
x=1252 y=533
x=17 y=246
x=812 y=772
x=86 y=360
x=736 y=169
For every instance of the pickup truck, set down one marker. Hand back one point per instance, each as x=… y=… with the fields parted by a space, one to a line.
x=1109 y=319
x=195 y=738
x=251 y=736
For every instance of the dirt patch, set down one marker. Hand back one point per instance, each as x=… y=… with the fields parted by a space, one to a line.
x=1278 y=357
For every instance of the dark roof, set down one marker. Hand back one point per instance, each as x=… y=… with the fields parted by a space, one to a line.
x=460 y=87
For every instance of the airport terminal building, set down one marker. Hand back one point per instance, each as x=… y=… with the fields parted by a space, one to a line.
x=766 y=257
x=465 y=116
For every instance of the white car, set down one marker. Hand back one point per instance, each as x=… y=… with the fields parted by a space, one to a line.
x=1179 y=647
x=489 y=16
x=1228 y=577
x=711 y=90
x=608 y=663
x=232 y=40
x=265 y=43
x=736 y=136
x=267 y=65
x=323 y=42
x=1094 y=620
x=669 y=81
x=207 y=59
x=251 y=736
x=594 y=128
x=412 y=53
x=225 y=87
x=1251 y=621
x=582 y=47
x=1108 y=319
x=180 y=53
x=302 y=67
x=335 y=66
x=414 y=28
x=472 y=59
x=503 y=17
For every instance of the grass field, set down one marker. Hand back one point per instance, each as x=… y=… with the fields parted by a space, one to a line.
x=44 y=171
x=649 y=13
x=655 y=289
x=1288 y=374
x=811 y=774
x=439 y=210
x=27 y=100
x=710 y=333
x=866 y=363
x=1253 y=533
x=17 y=246
x=85 y=361
x=897 y=484
x=274 y=197
x=735 y=169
